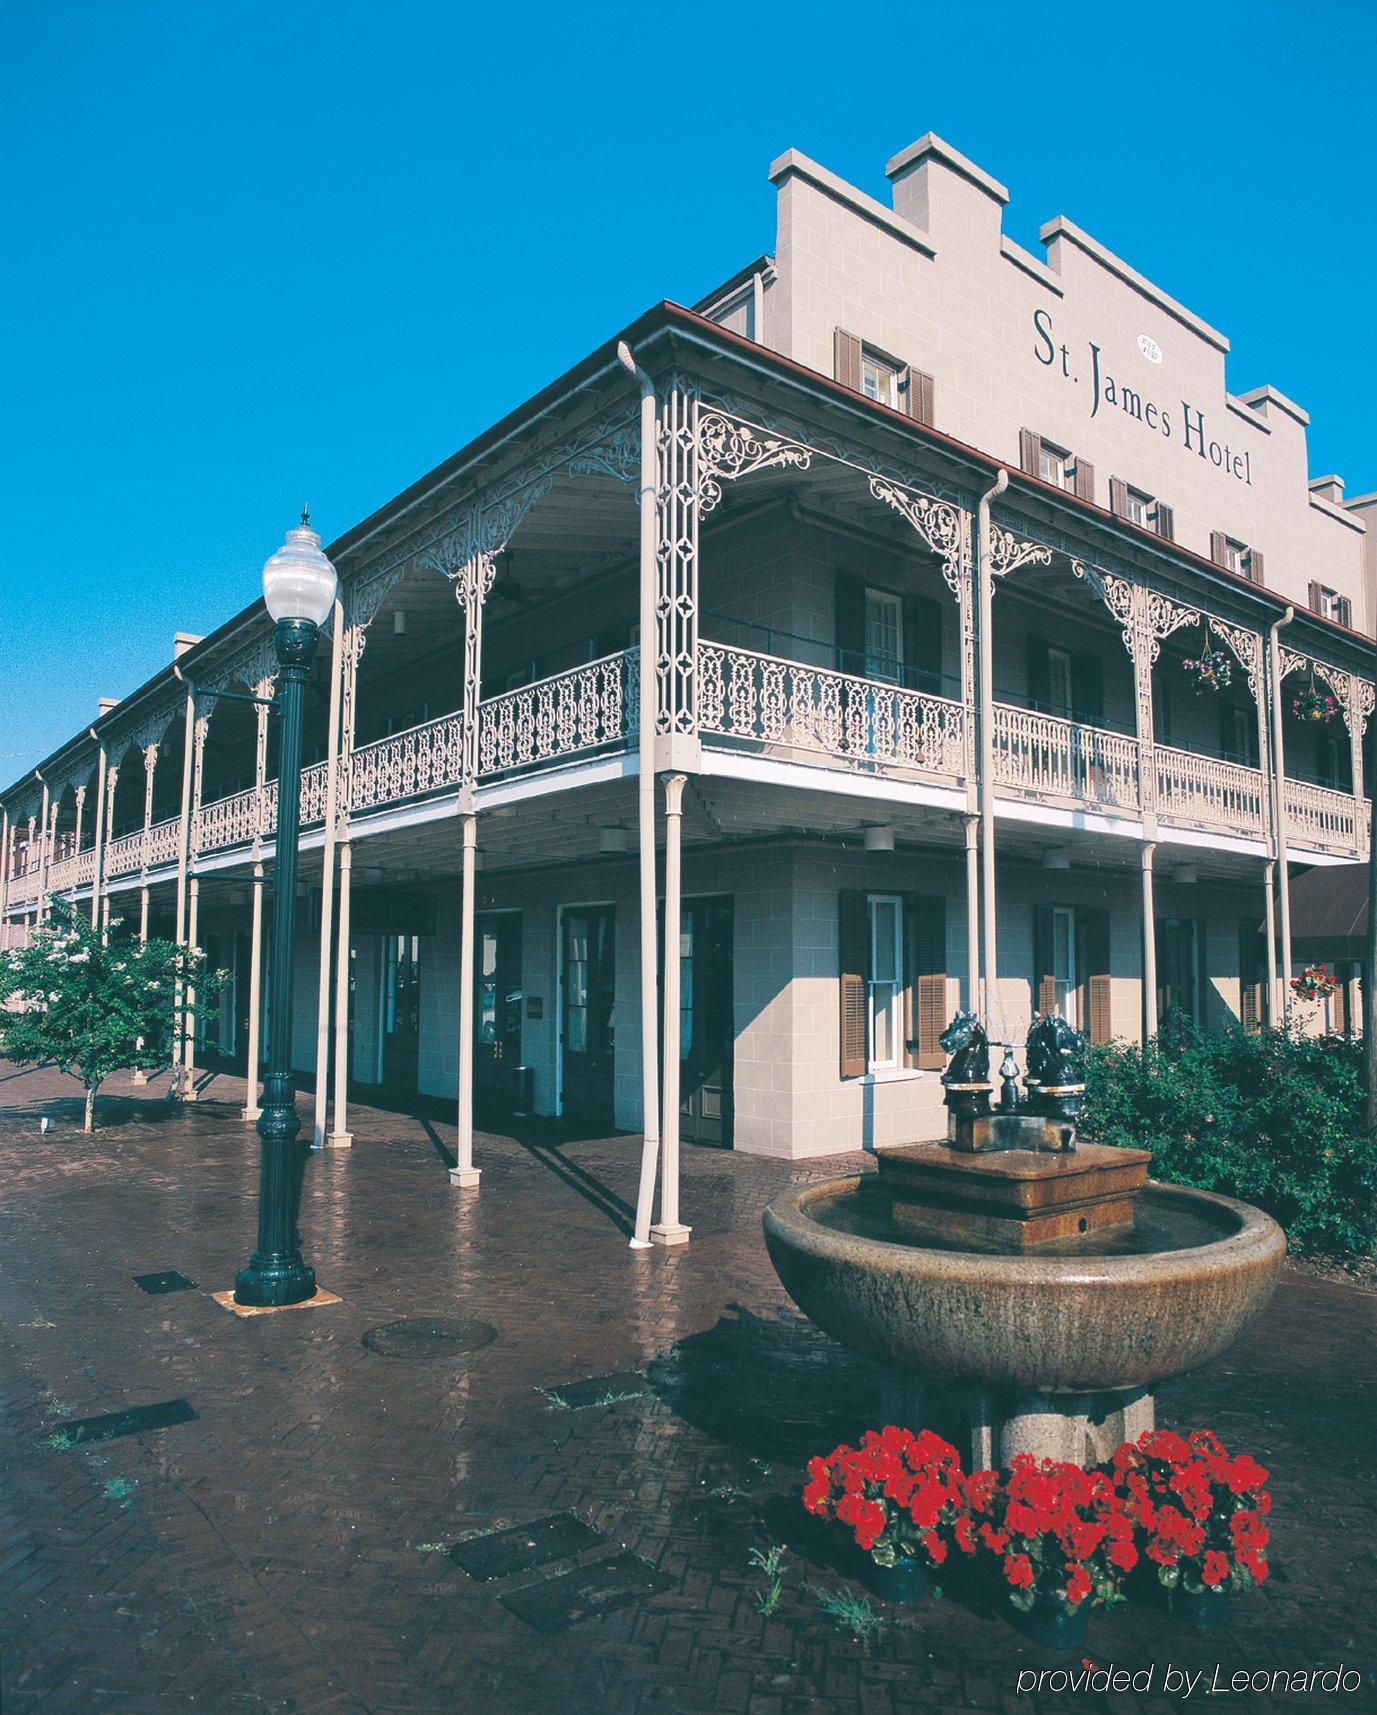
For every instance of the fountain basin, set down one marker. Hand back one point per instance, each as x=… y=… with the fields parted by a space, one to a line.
x=1099 y=1315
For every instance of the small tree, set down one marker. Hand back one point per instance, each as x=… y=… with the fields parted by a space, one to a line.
x=93 y=1005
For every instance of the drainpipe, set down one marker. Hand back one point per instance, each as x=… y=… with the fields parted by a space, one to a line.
x=985 y=754
x=1281 y=1002
x=645 y=800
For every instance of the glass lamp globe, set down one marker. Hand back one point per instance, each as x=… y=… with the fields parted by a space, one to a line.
x=298 y=580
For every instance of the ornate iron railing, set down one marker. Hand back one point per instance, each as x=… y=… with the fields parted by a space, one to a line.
x=1317 y=816
x=62 y=874
x=1203 y=792
x=789 y=707
x=231 y=821
x=163 y=841
x=1045 y=757
x=407 y=764
x=587 y=708
x=123 y=856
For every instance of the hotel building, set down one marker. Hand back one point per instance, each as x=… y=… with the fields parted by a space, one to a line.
x=983 y=621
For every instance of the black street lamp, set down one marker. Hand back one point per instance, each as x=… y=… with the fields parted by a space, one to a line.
x=299 y=586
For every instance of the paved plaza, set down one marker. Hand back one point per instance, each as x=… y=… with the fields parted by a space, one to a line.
x=280 y=1540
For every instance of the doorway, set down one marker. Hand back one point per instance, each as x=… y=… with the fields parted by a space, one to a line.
x=587 y=997
x=706 y=1023
x=401 y=1013
x=497 y=1008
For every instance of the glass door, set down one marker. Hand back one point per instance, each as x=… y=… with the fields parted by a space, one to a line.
x=587 y=996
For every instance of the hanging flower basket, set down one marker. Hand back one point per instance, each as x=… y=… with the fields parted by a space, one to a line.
x=1211 y=671
x=1316 y=982
x=1313 y=705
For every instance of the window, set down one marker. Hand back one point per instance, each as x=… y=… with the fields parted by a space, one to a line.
x=1064 y=964
x=1055 y=465
x=886 y=980
x=1139 y=508
x=879 y=379
x=1240 y=736
x=884 y=636
x=1329 y=604
x=1235 y=556
x=1061 y=696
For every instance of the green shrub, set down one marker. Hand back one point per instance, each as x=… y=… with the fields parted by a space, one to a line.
x=1272 y=1117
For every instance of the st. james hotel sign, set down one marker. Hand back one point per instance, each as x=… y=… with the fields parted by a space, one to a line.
x=1180 y=422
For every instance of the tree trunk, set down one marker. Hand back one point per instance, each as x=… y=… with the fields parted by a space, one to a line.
x=90 y=1124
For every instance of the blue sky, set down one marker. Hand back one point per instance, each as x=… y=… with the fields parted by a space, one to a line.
x=267 y=251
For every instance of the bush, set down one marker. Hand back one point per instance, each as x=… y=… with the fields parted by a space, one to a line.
x=1272 y=1117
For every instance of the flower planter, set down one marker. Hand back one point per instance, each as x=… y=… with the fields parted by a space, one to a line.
x=904 y=1583
x=1204 y=1609
x=1053 y=1625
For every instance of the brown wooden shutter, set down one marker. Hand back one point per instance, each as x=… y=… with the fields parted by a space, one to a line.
x=921 y=395
x=1345 y=613
x=1085 y=480
x=1338 y=1006
x=846 y=359
x=1093 y=935
x=1044 y=982
x=1219 y=547
x=1118 y=497
x=1314 y=596
x=1253 y=561
x=1029 y=451
x=853 y=947
x=925 y=988
x=1166 y=521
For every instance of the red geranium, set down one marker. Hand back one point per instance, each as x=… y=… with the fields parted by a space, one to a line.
x=902 y=1494
x=1198 y=1511
x=1061 y=1532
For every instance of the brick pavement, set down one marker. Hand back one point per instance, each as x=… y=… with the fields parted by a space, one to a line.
x=284 y=1550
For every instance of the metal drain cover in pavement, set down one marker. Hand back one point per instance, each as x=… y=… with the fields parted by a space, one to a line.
x=424 y=1337
x=168 y=1280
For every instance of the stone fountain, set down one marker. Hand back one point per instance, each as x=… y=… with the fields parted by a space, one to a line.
x=1024 y=1292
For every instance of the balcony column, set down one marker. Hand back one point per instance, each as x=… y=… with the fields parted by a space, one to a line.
x=6 y=857
x=100 y=881
x=183 y=864
x=76 y=837
x=972 y=1001
x=254 y=1057
x=340 y=1136
x=989 y=904
x=1149 y=945
x=1275 y=678
x=44 y=850
x=150 y=765
x=327 y=884
x=670 y=1230
x=1269 y=887
x=472 y=585
x=200 y=728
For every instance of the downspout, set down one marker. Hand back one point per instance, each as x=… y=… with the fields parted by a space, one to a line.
x=1281 y=1003
x=645 y=801
x=985 y=754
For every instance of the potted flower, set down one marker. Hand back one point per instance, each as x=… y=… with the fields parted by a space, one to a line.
x=1212 y=670
x=1063 y=1544
x=1313 y=705
x=901 y=1496
x=1316 y=982
x=1200 y=1515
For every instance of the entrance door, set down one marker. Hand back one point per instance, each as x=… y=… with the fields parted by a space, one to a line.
x=497 y=1008
x=706 y=1026
x=401 y=1013
x=587 y=993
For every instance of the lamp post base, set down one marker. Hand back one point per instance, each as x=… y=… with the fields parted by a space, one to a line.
x=271 y=1282
x=276 y=1275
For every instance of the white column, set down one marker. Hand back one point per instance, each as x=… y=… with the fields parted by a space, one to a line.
x=100 y=880
x=150 y=766
x=972 y=1001
x=6 y=861
x=200 y=727
x=327 y=886
x=985 y=754
x=670 y=1230
x=463 y=1172
x=1149 y=946
x=1275 y=682
x=183 y=863
x=45 y=847
x=340 y=1136
x=1274 y=1006
x=251 y=1109
x=76 y=836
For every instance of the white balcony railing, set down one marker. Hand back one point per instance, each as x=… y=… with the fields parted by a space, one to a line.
x=588 y=708
x=1047 y=758
x=226 y=822
x=1203 y=792
x=406 y=764
x=123 y=856
x=1317 y=816
x=786 y=707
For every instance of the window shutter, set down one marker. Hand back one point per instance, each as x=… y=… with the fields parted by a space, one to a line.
x=1166 y=521
x=853 y=946
x=1219 y=549
x=846 y=359
x=1029 y=451
x=1093 y=936
x=1085 y=480
x=1345 y=615
x=1039 y=672
x=1118 y=496
x=1314 y=596
x=923 y=643
x=921 y=395
x=1254 y=564
x=925 y=992
x=1087 y=683
x=1249 y=987
x=850 y=623
x=1044 y=982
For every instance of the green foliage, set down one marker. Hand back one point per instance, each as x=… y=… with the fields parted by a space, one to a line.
x=93 y=1006
x=770 y=1562
x=851 y=1612
x=1273 y=1117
